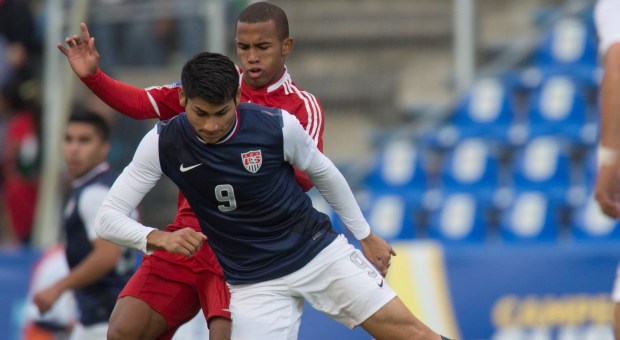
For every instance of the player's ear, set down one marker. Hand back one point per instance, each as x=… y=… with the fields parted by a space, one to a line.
x=182 y=99
x=105 y=150
x=238 y=95
x=287 y=46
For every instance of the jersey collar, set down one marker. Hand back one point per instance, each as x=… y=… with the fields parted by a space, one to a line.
x=94 y=172
x=270 y=88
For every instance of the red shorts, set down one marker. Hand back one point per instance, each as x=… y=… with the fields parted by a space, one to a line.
x=176 y=290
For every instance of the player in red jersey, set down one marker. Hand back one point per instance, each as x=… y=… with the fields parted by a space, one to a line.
x=169 y=289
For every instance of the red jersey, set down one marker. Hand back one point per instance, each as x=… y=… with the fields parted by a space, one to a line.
x=163 y=102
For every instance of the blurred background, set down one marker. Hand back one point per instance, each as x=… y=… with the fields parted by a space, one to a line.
x=467 y=129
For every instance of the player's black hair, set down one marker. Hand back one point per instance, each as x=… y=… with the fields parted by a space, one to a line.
x=91 y=118
x=263 y=12
x=211 y=77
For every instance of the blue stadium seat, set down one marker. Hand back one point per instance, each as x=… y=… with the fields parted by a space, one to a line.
x=460 y=219
x=391 y=216
x=531 y=217
x=559 y=107
x=487 y=110
x=398 y=167
x=543 y=164
x=570 y=43
x=568 y=49
x=471 y=166
x=589 y=223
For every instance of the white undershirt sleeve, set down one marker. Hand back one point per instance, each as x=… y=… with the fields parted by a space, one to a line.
x=113 y=221
x=302 y=153
x=90 y=201
x=607 y=24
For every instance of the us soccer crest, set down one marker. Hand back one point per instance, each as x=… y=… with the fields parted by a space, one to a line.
x=252 y=160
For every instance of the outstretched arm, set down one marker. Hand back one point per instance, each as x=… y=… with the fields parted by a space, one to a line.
x=139 y=177
x=301 y=152
x=607 y=191
x=156 y=102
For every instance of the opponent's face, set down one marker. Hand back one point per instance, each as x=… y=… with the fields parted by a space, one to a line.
x=210 y=122
x=83 y=148
x=262 y=52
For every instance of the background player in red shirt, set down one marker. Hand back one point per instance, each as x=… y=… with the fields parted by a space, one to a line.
x=169 y=289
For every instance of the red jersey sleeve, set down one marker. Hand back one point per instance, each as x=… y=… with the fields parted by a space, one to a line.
x=310 y=114
x=155 y=102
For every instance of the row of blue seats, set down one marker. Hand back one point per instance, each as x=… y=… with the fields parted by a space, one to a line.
x=460 y=217
x=488 y=110
x=558 y=82
x=544 y=163
x=542 y=193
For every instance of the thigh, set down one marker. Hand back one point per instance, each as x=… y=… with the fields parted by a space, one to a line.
x=343 y=284
x=265 y=311
x=157 y=295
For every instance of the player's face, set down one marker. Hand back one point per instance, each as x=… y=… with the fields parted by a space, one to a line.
x=262 y=52
x=83 y=148
x=210 y=122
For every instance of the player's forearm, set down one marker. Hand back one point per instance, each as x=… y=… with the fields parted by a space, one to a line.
x=117 y=227
x=609 y=141
x=334 y=188
x=113 y=223
x=124 y=98
x=95 y=266
x=610 y=100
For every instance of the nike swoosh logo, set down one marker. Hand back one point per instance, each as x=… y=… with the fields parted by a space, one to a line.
x=380 y=284
x=184 y=169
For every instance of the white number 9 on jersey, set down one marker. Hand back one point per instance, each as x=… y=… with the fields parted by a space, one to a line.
x=224 y=193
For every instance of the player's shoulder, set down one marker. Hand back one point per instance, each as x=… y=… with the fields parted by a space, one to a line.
x=162 y=124
x=254 y=108
x=299 y=96
x=166 y=87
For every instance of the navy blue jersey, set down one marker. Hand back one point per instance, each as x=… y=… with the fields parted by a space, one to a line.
x=96 y=300
x=259 y=222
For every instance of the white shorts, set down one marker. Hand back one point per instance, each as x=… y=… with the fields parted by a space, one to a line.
x=339 y=282
x=98 y=331
x=607 y=23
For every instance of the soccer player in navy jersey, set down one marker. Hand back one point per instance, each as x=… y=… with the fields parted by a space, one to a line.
x=234 y=164
x=98 y=269
x=169 y=289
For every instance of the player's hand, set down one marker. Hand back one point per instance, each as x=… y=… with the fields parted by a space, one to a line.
x=607 y=192
x=81 y=53
x=186 y=241
x=378 y=252
x=45 y=299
